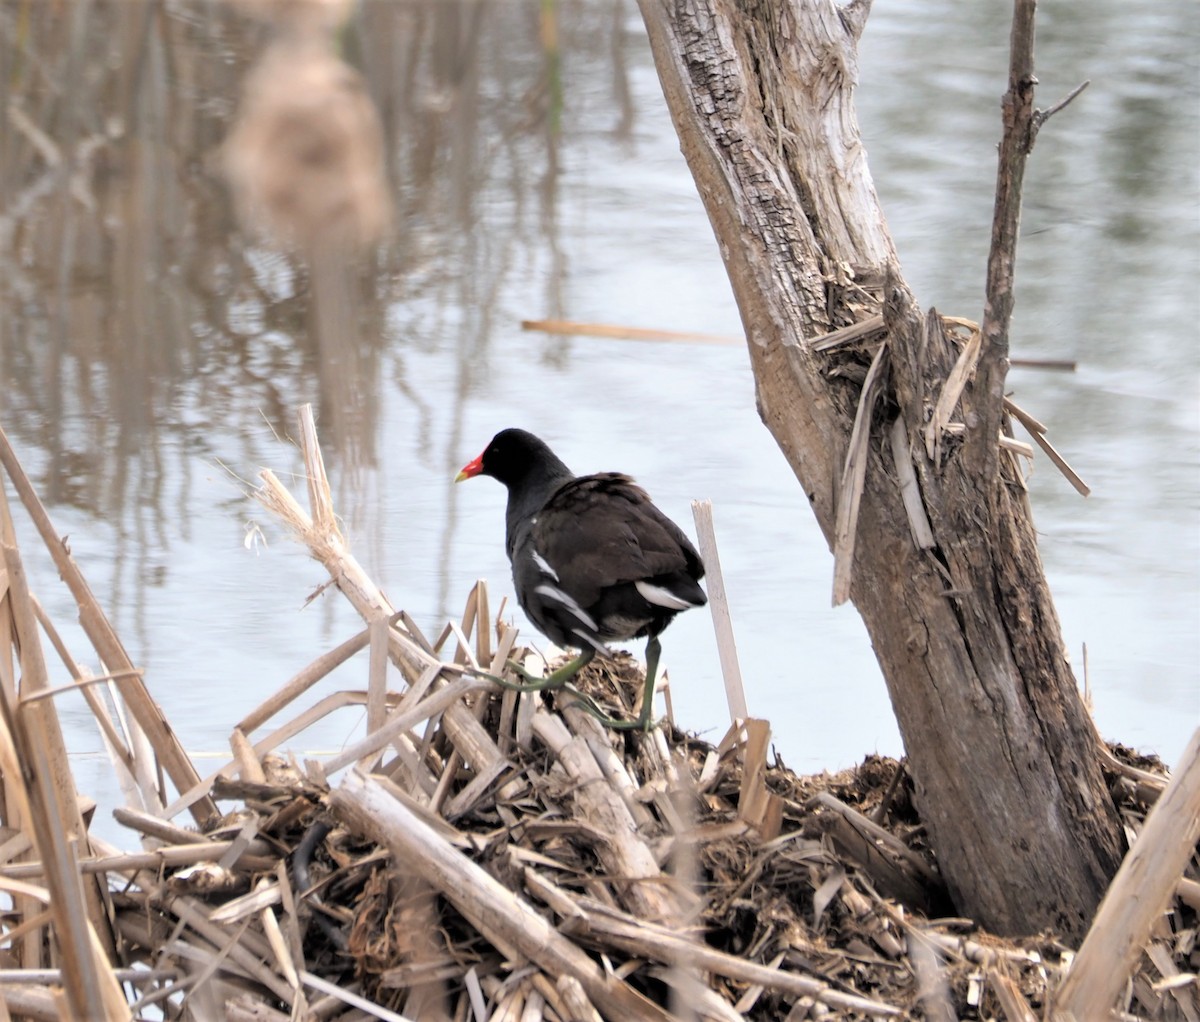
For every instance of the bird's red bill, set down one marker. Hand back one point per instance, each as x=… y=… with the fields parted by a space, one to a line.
x=471 y=468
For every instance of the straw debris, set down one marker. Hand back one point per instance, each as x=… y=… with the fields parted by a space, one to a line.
x=485 y=854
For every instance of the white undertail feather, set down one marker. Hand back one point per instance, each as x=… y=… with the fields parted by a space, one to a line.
x=556 y=594
x=662 y=597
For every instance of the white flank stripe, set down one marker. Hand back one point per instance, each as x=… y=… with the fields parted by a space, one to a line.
x=544 y=564
x=662 y=597
x=554 y=593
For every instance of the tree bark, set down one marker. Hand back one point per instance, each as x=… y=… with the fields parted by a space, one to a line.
x=1000 y=748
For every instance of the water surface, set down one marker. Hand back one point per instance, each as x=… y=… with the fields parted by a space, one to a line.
x=153 y=351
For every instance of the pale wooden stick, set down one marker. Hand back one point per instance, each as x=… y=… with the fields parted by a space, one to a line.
x=35 y=1001
x=8 y=976
x=1012 y=1001
x=718 y=605
x=377 y=676
x=379 y=809
x=353 y=999
x=399 y=722
x=1026 y=420
x=32 y=949
x=115 y=741
x=623 y=333
x=462 y=631
x=248 y=954
x=576 y=1000
x=757 y=804
x=168 y=855
x=249 y=766
x=1138 y=894
x=281 y=734
x=610 y=764
x=146 y=823
x=973 y=951
x=1188 y=891
x=1149 y=785
x=847 y=334
x=52 y=807
x=483 y=629
x=875 y=833
x=305 y=680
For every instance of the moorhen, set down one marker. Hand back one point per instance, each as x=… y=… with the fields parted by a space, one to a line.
x=593 y=560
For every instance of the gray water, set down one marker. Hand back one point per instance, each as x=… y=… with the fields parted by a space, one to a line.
x=151 y=350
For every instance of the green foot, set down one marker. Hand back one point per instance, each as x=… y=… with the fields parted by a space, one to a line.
x=533 y=683
x=644 y=720
x=561 y=679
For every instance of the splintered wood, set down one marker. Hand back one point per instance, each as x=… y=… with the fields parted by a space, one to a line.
x=484 y=854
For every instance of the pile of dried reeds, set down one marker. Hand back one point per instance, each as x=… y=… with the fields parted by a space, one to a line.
x=487 y=855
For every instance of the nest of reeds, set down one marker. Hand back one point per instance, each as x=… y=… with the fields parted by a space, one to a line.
x=483 y=854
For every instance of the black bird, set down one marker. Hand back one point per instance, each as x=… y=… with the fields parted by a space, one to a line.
x=593 y=560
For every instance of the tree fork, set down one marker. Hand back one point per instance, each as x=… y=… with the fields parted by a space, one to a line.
x=1000 y=747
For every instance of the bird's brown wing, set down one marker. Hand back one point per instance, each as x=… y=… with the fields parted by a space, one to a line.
x=602 y=530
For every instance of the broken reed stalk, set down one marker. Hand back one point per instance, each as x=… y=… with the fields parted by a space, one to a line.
x=305 y=679
x=910 y=490
x=718 y=605
x=624 y=853
x=372 y=806
x=37 y=772
x=161 y=858
x=107 y=643
x=1141 y=889
x=320 y=532
x=1038 y=432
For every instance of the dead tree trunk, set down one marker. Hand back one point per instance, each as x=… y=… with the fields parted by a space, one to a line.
x=999 y=745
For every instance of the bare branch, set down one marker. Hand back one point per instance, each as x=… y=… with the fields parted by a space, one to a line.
x=1015 y=144
x=1040 y=117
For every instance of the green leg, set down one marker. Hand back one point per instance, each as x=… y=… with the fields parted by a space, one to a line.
x=555 y=679
x=644 y=721
x=562 y=677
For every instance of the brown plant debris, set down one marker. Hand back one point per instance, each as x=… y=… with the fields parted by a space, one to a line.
x=486 y=854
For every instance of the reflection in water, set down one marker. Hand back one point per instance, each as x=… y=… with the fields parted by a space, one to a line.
x=145 y=310
x=147 y=340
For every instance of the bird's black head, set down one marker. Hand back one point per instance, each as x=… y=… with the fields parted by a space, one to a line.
x=514 y=456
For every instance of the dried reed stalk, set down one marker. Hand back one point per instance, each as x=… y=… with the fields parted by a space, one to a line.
x=374 y=807
x=104 y=638
x=323 y=537
x=1142 y=887
x=718 y=605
